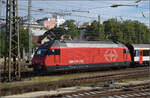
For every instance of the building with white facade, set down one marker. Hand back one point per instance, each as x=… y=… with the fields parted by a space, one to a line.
x=59 y=19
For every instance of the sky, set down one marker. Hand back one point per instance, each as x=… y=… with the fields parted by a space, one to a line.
x=86 y=10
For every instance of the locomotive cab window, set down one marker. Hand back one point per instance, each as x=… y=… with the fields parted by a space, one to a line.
x=51 y=52
x=54 y=52
x=125 y=51
x=41 y=52
x=57 y=51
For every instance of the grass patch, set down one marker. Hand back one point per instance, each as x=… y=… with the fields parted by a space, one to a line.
x=41 y=79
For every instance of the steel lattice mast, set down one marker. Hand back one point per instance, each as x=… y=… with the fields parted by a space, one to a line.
x=12 y=44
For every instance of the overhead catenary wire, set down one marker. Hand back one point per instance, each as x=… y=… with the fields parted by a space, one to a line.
x=73 y=11
x=77 y=10
x=69 y=14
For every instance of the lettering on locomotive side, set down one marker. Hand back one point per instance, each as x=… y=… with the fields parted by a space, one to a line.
x=111 y=55
x=75 y=61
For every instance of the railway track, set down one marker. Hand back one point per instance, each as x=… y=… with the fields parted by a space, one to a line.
x=103 y=77
x=128 y=91
x=29 y=73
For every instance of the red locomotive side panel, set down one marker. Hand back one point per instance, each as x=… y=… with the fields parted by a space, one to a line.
x=74 y=56
x=53 y=56
x=128 y=57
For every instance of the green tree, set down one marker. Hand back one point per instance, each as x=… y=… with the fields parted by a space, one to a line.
x=2 y=44
x=68 y=28
x=102 y=33
x=57 y=32
x=141 y=31
x=134 y=32
x=128 y=32
x=112 y=30
x=92 y=31
x=24 y=40
x=71 y=28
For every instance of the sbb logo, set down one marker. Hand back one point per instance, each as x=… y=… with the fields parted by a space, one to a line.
x=111 y=55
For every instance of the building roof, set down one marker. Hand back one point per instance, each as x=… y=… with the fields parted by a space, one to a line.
x=38 y=32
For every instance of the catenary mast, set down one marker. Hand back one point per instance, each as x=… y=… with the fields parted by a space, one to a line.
x=12 y=48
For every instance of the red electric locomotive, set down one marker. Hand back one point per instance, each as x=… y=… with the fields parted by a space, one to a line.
x=70 y=55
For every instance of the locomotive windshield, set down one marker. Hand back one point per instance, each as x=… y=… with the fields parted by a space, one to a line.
x=41 y=52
